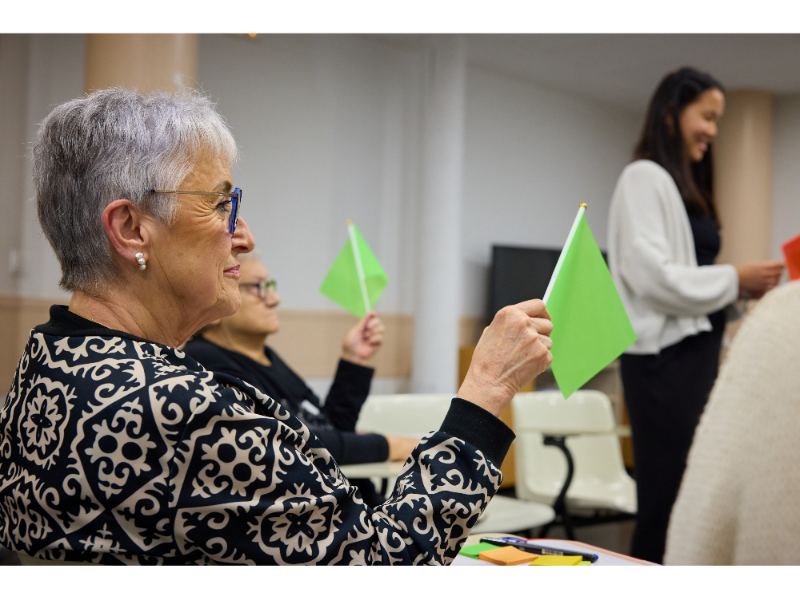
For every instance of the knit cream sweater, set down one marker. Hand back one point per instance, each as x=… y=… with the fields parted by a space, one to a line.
x=739 y=502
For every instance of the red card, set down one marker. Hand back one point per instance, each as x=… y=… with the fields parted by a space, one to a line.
x=791 y=252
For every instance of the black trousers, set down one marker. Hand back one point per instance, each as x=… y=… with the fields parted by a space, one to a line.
x=665 y=394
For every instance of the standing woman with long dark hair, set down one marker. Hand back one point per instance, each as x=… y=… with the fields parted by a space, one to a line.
x=663 y=239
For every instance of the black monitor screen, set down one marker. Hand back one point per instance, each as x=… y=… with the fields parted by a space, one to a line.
x=519 y=273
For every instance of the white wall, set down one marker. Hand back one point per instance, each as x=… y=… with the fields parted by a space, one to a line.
x=41 y=71
x=532 y=155
x=329 y=127
x=785 y=172
x=13 y=83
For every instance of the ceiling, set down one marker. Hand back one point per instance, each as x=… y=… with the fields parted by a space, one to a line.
x=623 y=69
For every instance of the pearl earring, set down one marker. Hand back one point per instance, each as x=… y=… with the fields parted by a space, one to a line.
x=141 y=261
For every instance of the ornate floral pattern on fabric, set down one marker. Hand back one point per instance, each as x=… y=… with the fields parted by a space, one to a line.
x=122 y=451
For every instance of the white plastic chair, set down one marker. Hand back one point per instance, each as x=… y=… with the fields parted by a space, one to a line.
x=587 y=419
x=403 y=414
x=419 y=414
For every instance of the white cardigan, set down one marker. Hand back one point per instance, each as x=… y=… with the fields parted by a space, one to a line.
x=652 y=260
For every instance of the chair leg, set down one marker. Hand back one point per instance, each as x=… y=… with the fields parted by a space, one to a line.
x=568 y=524
x=560 y=504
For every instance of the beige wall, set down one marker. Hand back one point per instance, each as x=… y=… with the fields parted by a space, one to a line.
x=145 y=62
x=309 y=341
x=470 y=330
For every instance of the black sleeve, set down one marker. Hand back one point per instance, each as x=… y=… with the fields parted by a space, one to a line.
x=348 y=392
x=478 y=427
x=348 y=448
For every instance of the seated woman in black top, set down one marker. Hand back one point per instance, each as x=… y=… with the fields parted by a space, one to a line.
x=236 y=345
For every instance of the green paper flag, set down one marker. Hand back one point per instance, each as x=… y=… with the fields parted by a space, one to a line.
x=590 y=325
x=356 y=279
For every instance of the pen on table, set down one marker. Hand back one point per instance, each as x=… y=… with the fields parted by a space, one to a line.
x=536 y=549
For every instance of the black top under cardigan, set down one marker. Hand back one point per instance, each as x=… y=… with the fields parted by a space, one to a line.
x=707 y=244
x=333 y=421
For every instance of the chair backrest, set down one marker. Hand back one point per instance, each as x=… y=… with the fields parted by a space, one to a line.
x=540 y=469
x=587 y=411
x=403 y=414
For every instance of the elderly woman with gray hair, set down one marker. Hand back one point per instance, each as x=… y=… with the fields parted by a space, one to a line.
x=117 y=448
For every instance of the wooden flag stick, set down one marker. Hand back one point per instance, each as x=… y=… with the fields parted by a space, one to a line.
x=359 y=267
x=563 y=254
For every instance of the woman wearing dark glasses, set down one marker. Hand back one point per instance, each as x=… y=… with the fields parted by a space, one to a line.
x=237 y=345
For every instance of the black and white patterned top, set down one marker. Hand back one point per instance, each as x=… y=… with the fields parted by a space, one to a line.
x=118 y=450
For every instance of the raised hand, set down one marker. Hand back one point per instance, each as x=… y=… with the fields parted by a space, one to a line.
x=757 y=278
x=513 y=350
x=364 y=339
x=400 y=447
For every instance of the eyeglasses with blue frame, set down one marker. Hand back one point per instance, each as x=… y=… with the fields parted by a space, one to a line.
x=235 y=196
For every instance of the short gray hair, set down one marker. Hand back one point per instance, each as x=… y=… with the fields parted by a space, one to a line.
x=113 y=144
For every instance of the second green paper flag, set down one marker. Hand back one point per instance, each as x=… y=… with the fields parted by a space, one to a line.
x=356 y=279
x=590 y=325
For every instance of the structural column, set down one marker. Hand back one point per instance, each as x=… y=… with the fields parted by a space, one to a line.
x=438 y=302
x=145 y=62
x=743 y=176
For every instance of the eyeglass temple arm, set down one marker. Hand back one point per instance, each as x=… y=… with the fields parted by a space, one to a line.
x=229 y=194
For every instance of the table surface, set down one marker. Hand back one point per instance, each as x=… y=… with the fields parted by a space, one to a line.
x=511 y=514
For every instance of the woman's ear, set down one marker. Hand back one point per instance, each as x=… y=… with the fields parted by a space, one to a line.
x=126 y=231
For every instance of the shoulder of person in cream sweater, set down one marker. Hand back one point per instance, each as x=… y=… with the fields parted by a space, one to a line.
x=745 y=447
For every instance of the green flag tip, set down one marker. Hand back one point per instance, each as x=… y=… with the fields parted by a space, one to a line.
x=583 y=205
x=349 y=222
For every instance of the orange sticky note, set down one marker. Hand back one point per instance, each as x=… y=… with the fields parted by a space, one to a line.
x=556 y=561
x=507 y=556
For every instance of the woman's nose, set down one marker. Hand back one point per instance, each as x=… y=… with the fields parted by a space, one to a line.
x=242 y=239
